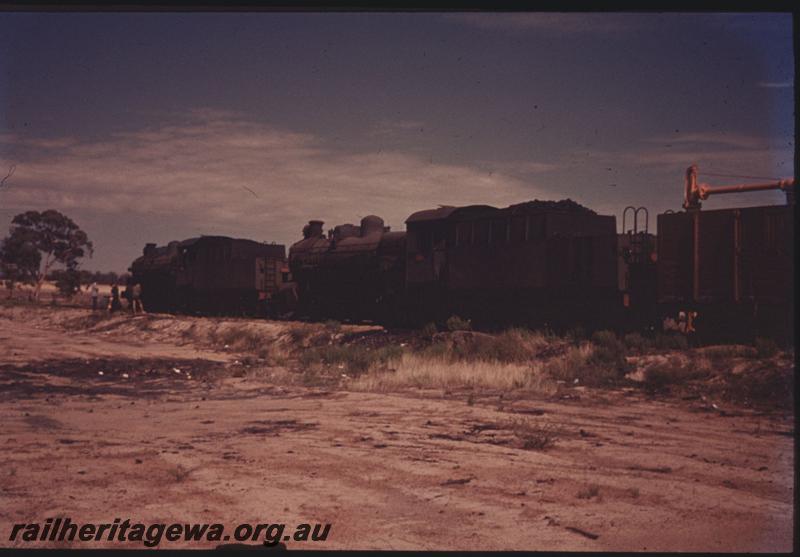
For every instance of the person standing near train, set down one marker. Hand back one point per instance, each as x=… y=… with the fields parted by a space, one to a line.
x=95 y=292
x=114 y=303
x=136 y=298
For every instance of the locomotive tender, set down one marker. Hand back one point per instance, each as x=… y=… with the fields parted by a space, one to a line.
x=533 y=263
x=210 y=274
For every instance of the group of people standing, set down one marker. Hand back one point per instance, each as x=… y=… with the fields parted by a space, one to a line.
x=132 y=293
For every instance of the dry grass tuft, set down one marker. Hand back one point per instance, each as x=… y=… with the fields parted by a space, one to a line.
x=424 y=371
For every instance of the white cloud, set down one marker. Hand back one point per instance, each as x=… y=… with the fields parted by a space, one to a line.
x=551 y=22
x=202 y=167
x=708 y=139
x=776 y=84
x=394 y=127
x=733 y=153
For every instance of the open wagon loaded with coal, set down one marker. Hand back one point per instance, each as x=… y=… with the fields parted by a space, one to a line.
x=211 y=274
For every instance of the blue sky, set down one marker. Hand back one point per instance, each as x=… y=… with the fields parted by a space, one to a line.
x=153 y=127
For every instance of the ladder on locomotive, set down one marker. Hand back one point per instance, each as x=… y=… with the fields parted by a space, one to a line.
x=639 y=241
x=270 y=275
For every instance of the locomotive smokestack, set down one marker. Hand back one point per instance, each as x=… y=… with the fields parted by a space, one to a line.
x=313 y=229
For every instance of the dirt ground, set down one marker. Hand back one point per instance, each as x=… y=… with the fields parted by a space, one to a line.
x=168 y=434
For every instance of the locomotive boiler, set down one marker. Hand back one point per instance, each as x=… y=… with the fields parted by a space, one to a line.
x=353 y=272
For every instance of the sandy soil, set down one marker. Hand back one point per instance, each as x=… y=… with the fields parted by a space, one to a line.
x=409 y=470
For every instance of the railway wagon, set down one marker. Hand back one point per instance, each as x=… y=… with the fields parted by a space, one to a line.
x=534 y=263
x=734 y=267
x=210 y=274
x=355 y=272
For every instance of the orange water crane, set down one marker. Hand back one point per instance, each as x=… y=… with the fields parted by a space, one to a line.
x=695 y=192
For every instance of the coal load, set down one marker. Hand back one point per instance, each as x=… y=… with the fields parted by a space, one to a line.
x=563 y=205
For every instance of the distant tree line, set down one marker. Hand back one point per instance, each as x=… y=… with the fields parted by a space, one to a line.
x=88 y=277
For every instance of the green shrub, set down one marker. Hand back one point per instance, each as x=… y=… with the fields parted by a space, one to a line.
x=770 y=386
x=635 y=341
x=456 y=323
x=437 y=351
x=671 y=341
x=428 y=330
x=608 y=342
x=576 y=334
x=766 y=347
x=659 y=378
x=300 y=332
x=354 y=358
x=609 y=352
x=580 y=363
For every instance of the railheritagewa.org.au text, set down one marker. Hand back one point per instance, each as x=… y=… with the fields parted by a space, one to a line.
x=151 y=535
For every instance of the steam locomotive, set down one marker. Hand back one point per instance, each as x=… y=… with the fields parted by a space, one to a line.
x=534 y=262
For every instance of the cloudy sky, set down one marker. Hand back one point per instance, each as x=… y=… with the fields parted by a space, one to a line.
x=154 y=127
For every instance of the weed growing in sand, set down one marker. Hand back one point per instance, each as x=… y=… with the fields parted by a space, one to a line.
x=591 y=490
x=533 y=436
x=179 y=473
